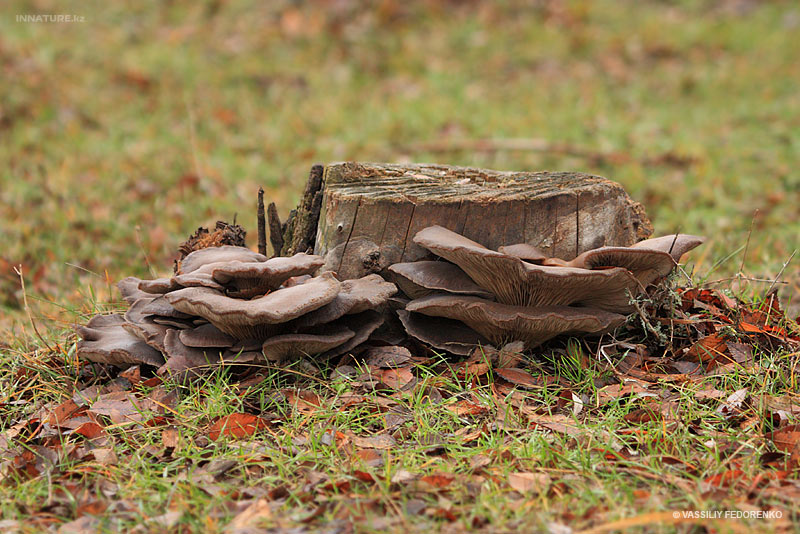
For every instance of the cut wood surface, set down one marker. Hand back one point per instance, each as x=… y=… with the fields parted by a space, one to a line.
x=370 y=212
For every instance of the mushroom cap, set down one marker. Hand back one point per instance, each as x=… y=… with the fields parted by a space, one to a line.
x=286 y=346
x=501 y=323
x=518 y=283
x=184 y=363
x=676 y=245
x=144 y=326
x=441 y=332
x=160 y=307
x=201 y=257
x=200 y=277
x=129 y=289
x=159 y=286
x=251 y=319
x=420 y=278
x=104 y=340
x=206 y=336
x=355 y=296
x=244 y=280
x=363 y=324
x=524 y=251
x=647 y=265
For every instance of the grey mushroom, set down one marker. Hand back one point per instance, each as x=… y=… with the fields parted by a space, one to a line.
x=104 y=340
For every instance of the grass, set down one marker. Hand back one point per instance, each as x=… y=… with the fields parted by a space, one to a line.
x=123 y=133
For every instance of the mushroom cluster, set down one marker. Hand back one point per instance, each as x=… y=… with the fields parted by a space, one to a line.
x=230 y=304
x=479 y=296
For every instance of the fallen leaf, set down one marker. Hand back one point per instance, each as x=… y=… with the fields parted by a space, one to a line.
x=387 y=357
x=62 y=412
x=395 y=378
x=379 y=441
x=238 y=425
x=519 y=377
x=438 y=480
x=529 y=482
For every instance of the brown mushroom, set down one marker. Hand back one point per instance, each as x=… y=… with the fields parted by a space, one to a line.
x=363 y=324
x=129 y=289
x=254 y=319
x=441 y=333
x=245 y=280
x=420 y=278
x=201 y=257
x=501 y=323
x=676 y=245
x=355 y=296
x=183 y=362
x=518 y=283
x=104 y=340
x=524 y=251
x=159 y=286
x=647 y=265
x=283 y=347
x=206 y=336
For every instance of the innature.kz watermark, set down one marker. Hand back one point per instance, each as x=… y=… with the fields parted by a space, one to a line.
x=51 y=18
x=727 y=514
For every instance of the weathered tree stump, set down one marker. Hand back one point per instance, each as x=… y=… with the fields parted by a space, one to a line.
x=370 y=212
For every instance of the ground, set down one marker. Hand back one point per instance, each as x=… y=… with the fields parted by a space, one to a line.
x=126 y=130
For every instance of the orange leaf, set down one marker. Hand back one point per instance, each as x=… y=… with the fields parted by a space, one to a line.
x=438 y=480
x=238 y=425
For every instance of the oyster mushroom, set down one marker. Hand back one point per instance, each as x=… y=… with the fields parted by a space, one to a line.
x=283 y=347
x=257 y=318
x=420 y=278
x=519 y=283
x=355 y=296
x=129 y=289
x=104 y=340
x=201 y=257
x=442 y=333
x=245 y=280
x=524 y=251
x=676 y=245
x=501 y=323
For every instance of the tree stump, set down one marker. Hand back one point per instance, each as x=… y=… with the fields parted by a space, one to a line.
x=370 y=212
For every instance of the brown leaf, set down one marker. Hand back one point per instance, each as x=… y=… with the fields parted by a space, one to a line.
x=786 y=439
x=62 y=412
x=438 y=480
x=387 y=357
x=379 y=441
x=237 y=425
x=105 y=456
x=529 y=482
x=466 y=407
x=304 y=401
x=258 y=512
x=90 y=430
x=519 y=377
x=395 y=378
x=370 y=457
x=169 y=437
x=708 y=348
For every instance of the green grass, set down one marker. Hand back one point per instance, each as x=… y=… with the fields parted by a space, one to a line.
x=121 y=134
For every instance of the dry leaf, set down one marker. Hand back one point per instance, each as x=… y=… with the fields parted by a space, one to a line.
x=238 y=425
x=379 y=441
x=529 y=482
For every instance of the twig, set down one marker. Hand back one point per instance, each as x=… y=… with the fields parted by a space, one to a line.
x=781 y=272
x=18 y=270
x=262 y=225
x=747 y=243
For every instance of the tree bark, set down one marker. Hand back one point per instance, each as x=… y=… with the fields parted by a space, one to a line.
x=370 y=212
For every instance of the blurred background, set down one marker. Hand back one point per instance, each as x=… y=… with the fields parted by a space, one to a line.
x=126 y=128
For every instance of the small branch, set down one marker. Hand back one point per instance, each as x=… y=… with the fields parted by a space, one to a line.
x=275 y=230
x=262 y=227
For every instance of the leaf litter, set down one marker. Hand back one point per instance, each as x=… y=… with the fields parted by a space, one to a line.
x=369 y=413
